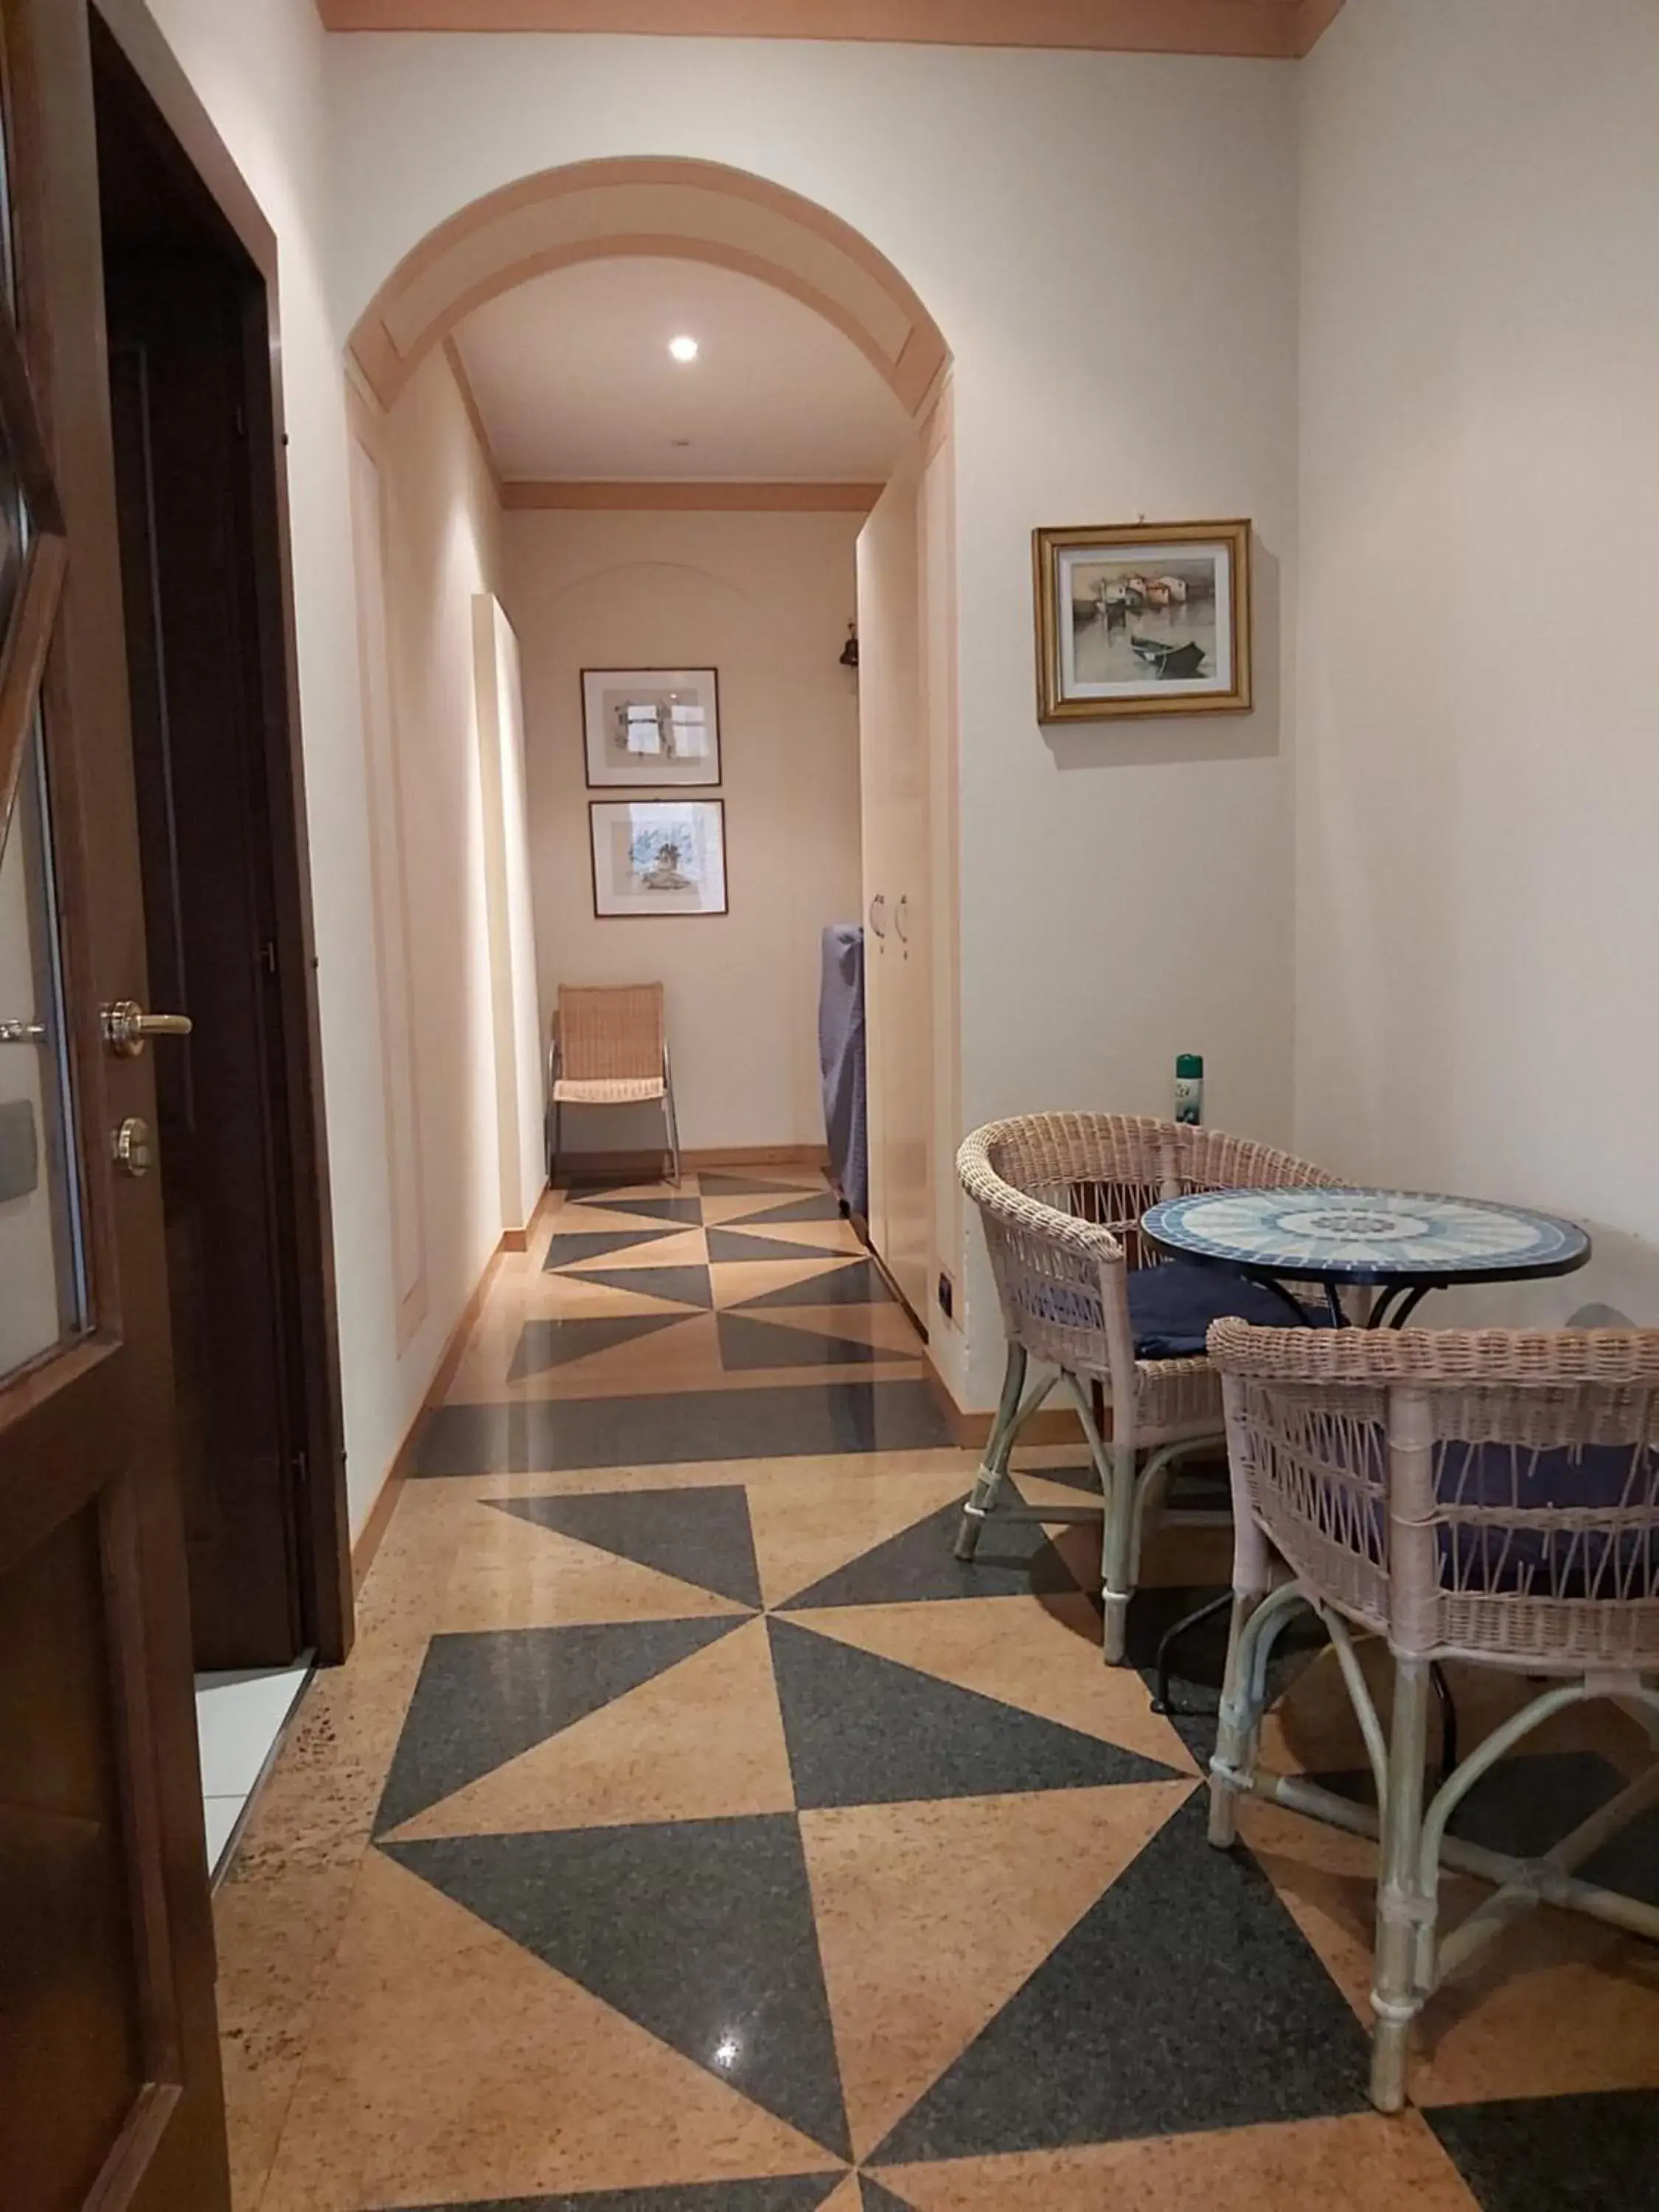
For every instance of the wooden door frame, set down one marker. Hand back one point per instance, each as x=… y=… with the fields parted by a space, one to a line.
x=317 y=1484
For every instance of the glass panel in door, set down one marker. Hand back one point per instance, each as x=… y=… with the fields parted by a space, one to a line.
x=43 y=1299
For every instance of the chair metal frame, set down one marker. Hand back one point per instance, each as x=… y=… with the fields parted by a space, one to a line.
x=1349 y=1453
x=1060 y=1198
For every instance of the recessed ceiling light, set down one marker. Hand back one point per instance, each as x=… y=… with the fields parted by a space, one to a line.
x=682 y=349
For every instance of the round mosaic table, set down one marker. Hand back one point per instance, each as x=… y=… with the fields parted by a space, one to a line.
x=1403 y=1244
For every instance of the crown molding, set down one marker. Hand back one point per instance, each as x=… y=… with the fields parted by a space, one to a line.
x=1277 y=30
x=632 y=496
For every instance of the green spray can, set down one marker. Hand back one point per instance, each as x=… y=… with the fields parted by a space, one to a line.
x=1189 y=1086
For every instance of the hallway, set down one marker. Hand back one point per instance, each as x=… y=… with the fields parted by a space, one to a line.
x=688 y=1827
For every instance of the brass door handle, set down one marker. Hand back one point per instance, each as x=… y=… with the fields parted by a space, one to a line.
x=14 y=1032
x=127 y=1027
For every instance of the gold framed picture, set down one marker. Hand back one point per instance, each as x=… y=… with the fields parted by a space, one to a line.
x=1143 y=618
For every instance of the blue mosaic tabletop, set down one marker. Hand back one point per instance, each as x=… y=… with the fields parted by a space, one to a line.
x=1367 y=1236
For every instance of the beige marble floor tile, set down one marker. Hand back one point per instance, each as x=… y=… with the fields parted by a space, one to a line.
x=844 y=1473
x=846 y=2198
x=448 y=2065
x=1043 y=1655
x=805 y=1526
x=701 y=1741
x=887 y=1327
x=614 y=1219
x=1313 y=1729
x=509 y=1573
x=1364 y=2163
x=1556 y=2004
x=678 y=1248
x=738 y=1281
x=814 y=1235
x=931 y=1916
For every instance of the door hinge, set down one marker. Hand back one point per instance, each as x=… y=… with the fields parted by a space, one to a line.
x=268 y=955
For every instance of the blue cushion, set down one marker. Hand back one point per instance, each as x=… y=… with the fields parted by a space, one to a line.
x=1171 y=1307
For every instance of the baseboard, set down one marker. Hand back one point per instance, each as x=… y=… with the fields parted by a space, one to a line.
x=1054 y=1425
x=653 y=1164
x=521 y=1240
x=379 y=1514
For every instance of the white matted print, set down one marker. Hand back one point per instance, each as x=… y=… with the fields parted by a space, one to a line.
x=1147 y=619
x=652 y=726
x=656 y=856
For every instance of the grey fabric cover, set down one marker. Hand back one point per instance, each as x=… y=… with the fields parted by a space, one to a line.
x=841 y=1061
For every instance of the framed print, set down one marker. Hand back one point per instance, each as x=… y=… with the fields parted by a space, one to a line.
x=1143 y=618
x=658 y=855
x=651 y=726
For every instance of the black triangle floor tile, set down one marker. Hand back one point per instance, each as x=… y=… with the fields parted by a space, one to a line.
x=544 y=1436
x=857 y=1283
x=1014 y=1557
x=817 y=1206
x=544 y=1345
x=864 y=1730
x=596 y=1244
x=746 y=1344
x=483 y=1698
x=1186 y=1999
x=795 y=2193
x=878 y=2199
x=725 y=1244
x=701 y=1535
x=700 y=1931
x=1588 y=2153
x=713 y=1185
x=684 y=1286
x=686 y=1211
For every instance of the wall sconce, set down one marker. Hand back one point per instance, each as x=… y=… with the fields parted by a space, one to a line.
x=849 y=652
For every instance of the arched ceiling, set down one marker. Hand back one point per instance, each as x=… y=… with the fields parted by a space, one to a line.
x=572 y=379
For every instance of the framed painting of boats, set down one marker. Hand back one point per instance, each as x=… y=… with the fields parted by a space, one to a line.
x=1143 y=618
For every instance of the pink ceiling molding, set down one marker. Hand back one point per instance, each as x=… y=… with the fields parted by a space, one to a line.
x=1271 y=29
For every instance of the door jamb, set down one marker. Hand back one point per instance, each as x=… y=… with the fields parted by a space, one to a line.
x=317 y=1485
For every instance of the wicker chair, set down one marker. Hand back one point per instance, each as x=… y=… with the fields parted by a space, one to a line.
x=1491 y=1498
x=1060 y=1196
x=609 y=1048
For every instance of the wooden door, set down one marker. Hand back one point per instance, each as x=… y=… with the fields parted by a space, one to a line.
x=178 y=386
x=109 y=2081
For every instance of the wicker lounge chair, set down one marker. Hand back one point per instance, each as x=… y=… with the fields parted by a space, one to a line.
x=1060 y=1197
x=609 y=1048
x=1491 y=1498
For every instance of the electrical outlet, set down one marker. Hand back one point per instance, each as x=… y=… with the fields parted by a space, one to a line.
x=947 y=1295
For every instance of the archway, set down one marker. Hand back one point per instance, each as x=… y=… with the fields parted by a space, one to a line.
x=697 y=211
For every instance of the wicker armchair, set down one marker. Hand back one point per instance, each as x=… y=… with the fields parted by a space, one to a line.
x=1491 y=1498
x=1060 y=1197
x=609 y=1048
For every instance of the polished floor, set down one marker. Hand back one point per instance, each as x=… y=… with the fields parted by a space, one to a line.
x=691 y=1834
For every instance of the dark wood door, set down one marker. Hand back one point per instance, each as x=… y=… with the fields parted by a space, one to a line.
x=110 y=2092
x=178 y=315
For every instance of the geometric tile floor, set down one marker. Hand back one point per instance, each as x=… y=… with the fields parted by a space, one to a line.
x=691 y=1832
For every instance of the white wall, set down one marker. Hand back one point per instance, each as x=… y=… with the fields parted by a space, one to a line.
x=1479 y=742
x=516 y=1006
x=441 y=549
x=766 y=599
x=1109 y=244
